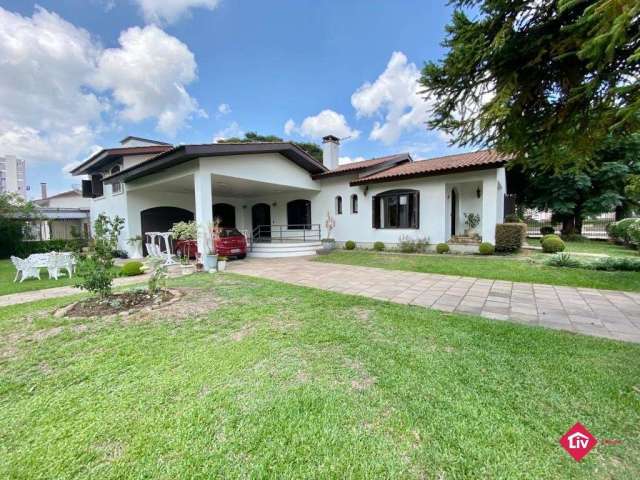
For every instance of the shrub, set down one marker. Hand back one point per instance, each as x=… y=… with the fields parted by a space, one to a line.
x=564 y=260
x=132 y=268
x=95 y=273
x=547 y=230
x=349 y=245
x=184 y=230
x=619 y=231
x=46 y=246
x=117 y=253
x=378 y=246
x=574 y=237
x=625 y=264
x=552 y=244
x=550 y=235
x=633 y=234
x=510 y=236
x=487 y=248
x=442 y=248
x=407 y=244
x=512 y=218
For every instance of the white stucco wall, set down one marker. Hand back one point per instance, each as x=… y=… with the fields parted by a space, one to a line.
x=434 y=206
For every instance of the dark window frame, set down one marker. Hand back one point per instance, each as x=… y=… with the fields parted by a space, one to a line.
x=338 y=205
x=301 y=207
x=354 y=203
x=116 y=188
x=395 y=218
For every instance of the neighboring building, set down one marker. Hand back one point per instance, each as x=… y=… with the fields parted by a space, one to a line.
x=64 y=216
x=12 y=175
x=282 y=192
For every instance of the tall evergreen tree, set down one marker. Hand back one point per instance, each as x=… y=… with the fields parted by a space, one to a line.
x=547 y=80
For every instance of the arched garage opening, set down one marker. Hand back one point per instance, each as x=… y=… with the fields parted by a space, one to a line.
x=298 y=214
x=226 y=213
x=161 y=219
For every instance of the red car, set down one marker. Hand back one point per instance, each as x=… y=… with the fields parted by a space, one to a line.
x=231 y=243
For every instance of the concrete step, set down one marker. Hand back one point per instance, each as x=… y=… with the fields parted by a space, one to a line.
x=278 y=250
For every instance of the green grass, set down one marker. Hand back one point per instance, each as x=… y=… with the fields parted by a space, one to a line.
x=8 y=273
x=600 y=247
x=268 y=380
x=517 y=269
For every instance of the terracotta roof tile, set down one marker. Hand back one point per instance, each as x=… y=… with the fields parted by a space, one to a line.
x=436 y=166
x=364 y=164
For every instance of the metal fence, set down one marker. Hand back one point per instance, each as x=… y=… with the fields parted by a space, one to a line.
x=595 y=228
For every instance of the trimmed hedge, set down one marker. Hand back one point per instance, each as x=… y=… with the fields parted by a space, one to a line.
x=510 y=236
x=552 y=244
x=486 y=248
x=547 y=230
x=349 y=245
x=132 y=268
x=442 y=248
x=378 y=246
x=45 y=246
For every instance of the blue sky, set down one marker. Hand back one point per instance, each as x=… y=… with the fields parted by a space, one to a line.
x=211 y=68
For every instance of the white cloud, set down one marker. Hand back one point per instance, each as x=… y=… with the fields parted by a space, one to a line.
x=327 y=122
x=50 y=70
x=345 y=160
x=233 y=130
x=224 y=109
x=148 y=75
x=394 y=95
x=170 y=11
x=289 y=126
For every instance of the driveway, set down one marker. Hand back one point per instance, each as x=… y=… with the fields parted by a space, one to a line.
x=602 y=313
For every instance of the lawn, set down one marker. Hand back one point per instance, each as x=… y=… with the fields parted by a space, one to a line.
x=249 y=378
x=8 y=273
x=599 y=247
x=511 y=268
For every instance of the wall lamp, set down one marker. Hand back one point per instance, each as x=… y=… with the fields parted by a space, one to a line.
x=478 y=192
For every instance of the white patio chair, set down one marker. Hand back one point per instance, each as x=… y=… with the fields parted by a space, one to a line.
x=25 y=269
x=58 y=262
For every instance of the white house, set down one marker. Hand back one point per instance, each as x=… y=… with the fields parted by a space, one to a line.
x=280 y=195
x=62 y=216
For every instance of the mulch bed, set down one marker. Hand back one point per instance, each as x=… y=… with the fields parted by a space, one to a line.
x=118 y=303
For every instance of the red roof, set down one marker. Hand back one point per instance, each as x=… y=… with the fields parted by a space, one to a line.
x=364 y=164
x=437 y=166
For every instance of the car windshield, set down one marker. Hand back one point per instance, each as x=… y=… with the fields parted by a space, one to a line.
x=229 y=232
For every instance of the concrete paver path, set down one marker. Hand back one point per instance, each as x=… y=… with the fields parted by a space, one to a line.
x=34 y=295
x=602 y=313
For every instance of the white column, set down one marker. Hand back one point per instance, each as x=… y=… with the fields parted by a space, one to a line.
x=489 y=216
x=433 y=218
x=204 y=209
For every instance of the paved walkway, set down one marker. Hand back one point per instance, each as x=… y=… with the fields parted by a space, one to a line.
x=601 y=313
x=34 y=295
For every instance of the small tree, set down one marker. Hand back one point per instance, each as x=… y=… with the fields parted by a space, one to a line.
x=95 y=272
x=329 y=224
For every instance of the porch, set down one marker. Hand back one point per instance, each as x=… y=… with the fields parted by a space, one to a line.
x=275 y=218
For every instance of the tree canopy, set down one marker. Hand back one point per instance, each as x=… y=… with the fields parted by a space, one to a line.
x=312 y=149
x=575 y=194
x=546 y=81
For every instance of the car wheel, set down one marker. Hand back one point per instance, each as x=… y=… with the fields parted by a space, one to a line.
x=241 y=257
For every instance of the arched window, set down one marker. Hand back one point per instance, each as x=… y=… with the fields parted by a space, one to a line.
x=115 y=187
x=354 y=203
x=396 y=209
x=299 y=214
x=338 y=205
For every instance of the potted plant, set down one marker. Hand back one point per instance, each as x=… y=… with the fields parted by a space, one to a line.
x=222 y=263
x=329 y=243
x=471 y=220
x=210 y=258
x=185 y=266
x=136 y=243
